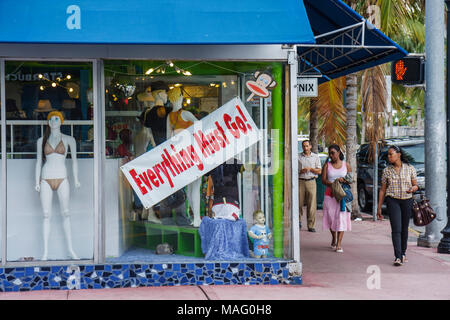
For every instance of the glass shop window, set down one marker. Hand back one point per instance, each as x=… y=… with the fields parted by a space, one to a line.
x=49 y=125
x=147 y=103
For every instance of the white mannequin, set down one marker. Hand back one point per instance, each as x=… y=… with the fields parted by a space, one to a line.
x=160 y=97
x=54 y=168
x=141 y=141
x=193 y=189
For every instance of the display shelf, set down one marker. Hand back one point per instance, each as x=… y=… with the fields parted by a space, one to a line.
x=184 y=240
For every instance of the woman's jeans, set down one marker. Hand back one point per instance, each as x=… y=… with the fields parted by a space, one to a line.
x=399 y=215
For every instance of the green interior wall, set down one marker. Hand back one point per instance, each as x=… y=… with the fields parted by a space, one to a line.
x=278 y=178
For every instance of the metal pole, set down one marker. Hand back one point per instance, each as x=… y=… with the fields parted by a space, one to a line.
x=435 y=123
x=375 y=181
x=444 y=245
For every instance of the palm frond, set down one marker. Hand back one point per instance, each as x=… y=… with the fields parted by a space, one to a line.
x=374 y=100
x=331 y=111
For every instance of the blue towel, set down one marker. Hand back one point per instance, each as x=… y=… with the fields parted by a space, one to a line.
x=349 y=196
x=224 y=239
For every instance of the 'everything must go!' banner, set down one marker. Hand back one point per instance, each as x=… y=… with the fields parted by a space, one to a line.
x=192 y=153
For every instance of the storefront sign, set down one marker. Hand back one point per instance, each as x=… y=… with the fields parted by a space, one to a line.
x=192 y=153
x=307 y=87
x=261 y=85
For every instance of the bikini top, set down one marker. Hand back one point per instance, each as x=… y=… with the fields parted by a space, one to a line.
x=48 y=149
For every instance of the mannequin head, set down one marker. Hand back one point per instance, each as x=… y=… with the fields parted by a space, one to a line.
x=160 y=96
x=159 y=92
x=259 y=218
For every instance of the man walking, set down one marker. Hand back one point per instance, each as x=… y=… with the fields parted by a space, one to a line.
x=309 y=168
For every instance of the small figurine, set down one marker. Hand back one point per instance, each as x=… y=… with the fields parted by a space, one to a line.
x=260 y=234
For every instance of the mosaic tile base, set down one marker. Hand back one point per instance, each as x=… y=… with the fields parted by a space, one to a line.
x=143 y=275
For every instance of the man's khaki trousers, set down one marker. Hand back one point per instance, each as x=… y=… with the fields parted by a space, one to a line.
x=307 y=197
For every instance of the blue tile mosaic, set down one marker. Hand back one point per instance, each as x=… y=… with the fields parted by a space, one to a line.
x=139 y=275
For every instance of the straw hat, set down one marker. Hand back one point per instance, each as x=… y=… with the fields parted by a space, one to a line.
x=146 y=95
x=44 y=105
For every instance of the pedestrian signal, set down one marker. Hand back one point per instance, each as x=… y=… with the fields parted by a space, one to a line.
x=408 y=71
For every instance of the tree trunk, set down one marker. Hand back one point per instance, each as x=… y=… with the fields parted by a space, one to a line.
x=351 y=143
x=313 y=127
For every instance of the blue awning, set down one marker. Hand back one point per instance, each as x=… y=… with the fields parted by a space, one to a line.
x=345 y=42
x=154 y=22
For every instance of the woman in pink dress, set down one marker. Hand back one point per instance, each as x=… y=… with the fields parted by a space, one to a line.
x=334 y=219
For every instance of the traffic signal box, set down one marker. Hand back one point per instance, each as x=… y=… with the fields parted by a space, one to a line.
x=408 y=70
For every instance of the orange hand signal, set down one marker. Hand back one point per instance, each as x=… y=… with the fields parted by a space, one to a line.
x=400 y=70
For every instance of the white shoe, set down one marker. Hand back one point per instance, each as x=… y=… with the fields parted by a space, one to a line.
x=358 y=219
x=340 y=250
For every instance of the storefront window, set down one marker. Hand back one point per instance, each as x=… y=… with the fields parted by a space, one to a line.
x=146 y=103
x=49 y=125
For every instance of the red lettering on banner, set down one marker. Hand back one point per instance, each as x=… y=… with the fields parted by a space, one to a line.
x=157 y=169
x=243 y=117
x=168 y=164
x=231 y=126
x=138 y=181
x=173 y=161
x=213 y=141
x=222 y=132
x=180 y=161
x=195 y=157
x=219 y=138
x=241 y=125
x=143 y=176
x=187 y=160
x=152 y=177
x=166 y=173
x=203 y=144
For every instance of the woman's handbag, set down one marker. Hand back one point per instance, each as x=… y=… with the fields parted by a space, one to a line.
x=337 y=190
x=422 y=212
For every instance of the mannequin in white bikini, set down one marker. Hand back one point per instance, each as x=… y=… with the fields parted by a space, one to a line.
x=52 y=176
x=177 y=121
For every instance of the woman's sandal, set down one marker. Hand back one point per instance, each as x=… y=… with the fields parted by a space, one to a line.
x=398 y=262
x=340 y=250
x=404 y=259
x=333 y=247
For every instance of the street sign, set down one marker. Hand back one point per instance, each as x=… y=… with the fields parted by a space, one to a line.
x=408 y=70
x=307 y=87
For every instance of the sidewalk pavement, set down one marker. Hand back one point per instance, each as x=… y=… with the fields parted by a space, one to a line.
x=363 y=271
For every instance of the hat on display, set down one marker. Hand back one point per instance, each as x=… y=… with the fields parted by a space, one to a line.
x=73 y=90
x=68 y=104
x=146 y=95
x=44 y=105
x=160 y=85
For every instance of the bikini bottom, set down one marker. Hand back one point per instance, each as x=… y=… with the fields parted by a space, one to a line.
x=54 y=183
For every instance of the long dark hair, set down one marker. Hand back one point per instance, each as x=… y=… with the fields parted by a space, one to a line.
x=403 y=156
x=44 y=141
x=338 y=149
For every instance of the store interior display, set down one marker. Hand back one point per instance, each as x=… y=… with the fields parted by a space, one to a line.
x=51 y=175
x=163 y=104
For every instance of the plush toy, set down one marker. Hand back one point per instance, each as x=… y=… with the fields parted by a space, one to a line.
x=260 y=234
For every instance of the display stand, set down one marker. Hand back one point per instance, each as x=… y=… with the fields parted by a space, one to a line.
x=185 y=240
